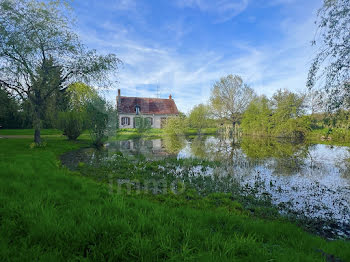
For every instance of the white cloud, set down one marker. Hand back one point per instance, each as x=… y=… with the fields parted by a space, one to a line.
x=189 y=77
x=223 y=10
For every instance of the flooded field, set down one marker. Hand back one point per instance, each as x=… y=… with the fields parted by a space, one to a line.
x=311 y=181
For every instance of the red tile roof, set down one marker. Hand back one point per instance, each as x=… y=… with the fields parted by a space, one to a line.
x=156 y=106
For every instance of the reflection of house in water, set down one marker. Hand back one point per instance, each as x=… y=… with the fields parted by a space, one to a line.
x=149 y=148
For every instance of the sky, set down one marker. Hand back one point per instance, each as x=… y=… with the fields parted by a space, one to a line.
x=185 y=46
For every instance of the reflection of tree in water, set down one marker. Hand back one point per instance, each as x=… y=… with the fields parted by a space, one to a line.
x=199 y=148
x=283 y=157
x=215 y=148
x=343 y=164
x=286 y=157
x=173 y=144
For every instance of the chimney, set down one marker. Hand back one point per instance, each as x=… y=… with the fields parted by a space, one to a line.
x=170 y=96
x=118 y=99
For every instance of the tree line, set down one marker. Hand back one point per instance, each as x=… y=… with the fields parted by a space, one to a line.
x=235 y=105
x=324 y=107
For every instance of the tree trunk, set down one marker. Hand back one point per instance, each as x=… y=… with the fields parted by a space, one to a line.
x=37 y=127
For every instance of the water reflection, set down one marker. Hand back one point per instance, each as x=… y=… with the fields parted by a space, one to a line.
x=310 y=179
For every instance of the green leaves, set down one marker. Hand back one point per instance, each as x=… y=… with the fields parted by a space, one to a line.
x=230 y=97
x=281 y=116
x=40 y=53
x=72 y=123
x=331 y=65
x=199 y=117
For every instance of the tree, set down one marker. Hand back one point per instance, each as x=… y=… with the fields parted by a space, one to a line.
x=40 y=53
x=175 y=126
x=9 y=111
x=287 y=105
x=287 y=120
x=80 y=95
x=332 y=63
x=230 y=97
x=257 y=118
x=72 y=123
x=101 y=120
x=199 y=117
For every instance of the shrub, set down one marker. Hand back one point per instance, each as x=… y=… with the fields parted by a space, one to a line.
x=142 y=124
x=101 y=121
x=175 y=126
x=72 y=124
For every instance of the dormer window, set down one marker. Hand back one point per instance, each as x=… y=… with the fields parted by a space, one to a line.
x=137 y=109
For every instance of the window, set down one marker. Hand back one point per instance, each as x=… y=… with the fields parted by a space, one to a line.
x=137 y=109
x=125 y=121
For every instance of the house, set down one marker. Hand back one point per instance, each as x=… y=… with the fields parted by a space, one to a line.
x=155 y=110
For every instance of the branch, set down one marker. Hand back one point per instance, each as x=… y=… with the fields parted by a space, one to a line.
x=15 y=88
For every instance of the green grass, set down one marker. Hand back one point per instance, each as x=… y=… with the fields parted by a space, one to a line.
x=204 y=131
x=129 y=133
x=29 y=132
x=48 y=213
x=335 y=136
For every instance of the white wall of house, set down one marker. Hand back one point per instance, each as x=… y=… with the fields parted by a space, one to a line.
x=157 y=120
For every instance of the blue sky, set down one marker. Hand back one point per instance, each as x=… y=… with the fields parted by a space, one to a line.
x=184 y=46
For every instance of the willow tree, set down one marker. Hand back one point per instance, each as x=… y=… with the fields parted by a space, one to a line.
x=331 y=65
x=229 y=98
x=40 y=53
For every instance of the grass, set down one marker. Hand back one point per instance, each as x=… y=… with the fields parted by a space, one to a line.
x=204 y=131
x=29 y=132
x=48 y=213
x=128 y=133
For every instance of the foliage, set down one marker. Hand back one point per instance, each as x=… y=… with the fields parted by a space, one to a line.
x=199 y=117
x=101 y=120
x=287 y=105
x=282 y=116
x=332 y=63
x=175 y=126
x=174 y=143
x=72 y=123
x=293 y=128
x=40 y=54
x=142 y=124
x=57 y=102
x=10 y=116
x=230 y=97
x=257 y=118
x=80 y=95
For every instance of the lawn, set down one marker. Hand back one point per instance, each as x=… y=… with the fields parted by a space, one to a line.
x=27 y=132
x=48 y=213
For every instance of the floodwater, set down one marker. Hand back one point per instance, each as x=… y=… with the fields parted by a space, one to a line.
x=311 y=180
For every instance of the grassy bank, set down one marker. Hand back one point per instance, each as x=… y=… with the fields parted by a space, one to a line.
x=48 y=213
x=336 y=136
x=120 y=134
x=156 y=133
